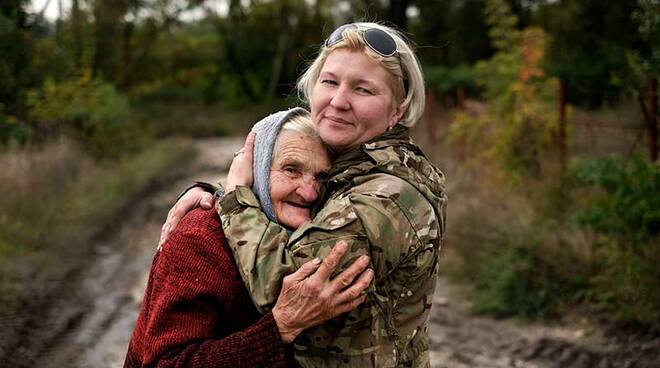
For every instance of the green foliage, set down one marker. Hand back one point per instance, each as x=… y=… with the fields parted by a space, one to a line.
x=92 y=110
x=451 y=32
x=445 y=80
x=517 y=282
x=619 y=203
x=626 y=205
x=517 y=130
x=589 y=40
x=15 y=55
x=648 y=18
x=12 y=130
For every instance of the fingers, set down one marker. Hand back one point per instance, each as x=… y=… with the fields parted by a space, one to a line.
x=304 y=271
x=206 y=202
x=173 y=218
x=331 y=261
x=185 y=204
x=249 y=145
x=240 y=171
x=355 y=290
x=349 y=306
x=346 y=277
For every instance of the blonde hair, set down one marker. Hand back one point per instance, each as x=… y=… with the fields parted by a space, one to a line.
x=301 y=124
x=403 y=66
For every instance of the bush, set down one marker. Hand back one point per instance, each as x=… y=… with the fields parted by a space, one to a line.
x=626 y=202
x=517 y=281
x=13 y=130
x=90 y=110
x=620 y=206
x=445 y=80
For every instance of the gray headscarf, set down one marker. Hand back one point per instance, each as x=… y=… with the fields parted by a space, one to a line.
x=267 y=130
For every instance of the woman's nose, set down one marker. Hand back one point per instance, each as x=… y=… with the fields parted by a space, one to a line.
x=340 y=99
x=308 y=191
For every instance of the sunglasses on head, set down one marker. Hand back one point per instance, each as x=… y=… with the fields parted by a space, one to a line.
x=377 y=40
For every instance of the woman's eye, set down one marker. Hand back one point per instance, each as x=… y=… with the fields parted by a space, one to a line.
x=364 y=91
x=329 y=82
x=291 y=171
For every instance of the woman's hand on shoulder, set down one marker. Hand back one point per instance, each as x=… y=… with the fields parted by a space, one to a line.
x=309 y=297
x=240 y=171
x=195 y=197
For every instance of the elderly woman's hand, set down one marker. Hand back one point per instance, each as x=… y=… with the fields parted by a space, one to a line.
x=240 y=171
x=309 y=297
x=193 y=198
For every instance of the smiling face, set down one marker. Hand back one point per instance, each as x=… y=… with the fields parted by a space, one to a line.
x=299 y=164
x=352 y=100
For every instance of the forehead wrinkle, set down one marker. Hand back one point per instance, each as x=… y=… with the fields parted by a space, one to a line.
x=293 y=150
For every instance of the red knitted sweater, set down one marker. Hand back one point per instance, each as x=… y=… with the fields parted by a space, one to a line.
x=196 y=311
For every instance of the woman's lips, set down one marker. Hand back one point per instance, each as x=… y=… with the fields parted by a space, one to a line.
x=337 y=120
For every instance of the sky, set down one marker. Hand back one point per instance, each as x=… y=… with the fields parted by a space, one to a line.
x=51 y=11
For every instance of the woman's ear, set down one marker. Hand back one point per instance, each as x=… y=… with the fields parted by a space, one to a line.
x=397 y=114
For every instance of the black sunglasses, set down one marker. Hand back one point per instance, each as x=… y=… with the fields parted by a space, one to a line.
x=378 y=40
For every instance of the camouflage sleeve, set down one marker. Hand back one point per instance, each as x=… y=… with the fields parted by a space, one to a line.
x=264 y=252
x=259 y=246
x=370 y=224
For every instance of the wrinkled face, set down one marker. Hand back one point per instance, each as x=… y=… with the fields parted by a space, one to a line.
x=299 y=164
x=352 y=101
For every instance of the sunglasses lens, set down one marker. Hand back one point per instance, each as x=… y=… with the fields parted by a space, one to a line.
x=380 y=42
x=337 y=35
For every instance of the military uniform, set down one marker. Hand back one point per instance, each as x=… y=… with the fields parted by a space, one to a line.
x=385 y=199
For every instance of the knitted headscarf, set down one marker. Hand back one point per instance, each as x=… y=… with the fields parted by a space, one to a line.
x=267 y=130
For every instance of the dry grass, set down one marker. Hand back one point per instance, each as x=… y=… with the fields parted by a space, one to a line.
x=55 y=198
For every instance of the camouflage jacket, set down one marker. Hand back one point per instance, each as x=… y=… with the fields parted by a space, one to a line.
x=386 y=200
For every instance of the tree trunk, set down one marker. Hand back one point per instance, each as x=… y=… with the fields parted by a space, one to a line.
x=397 y=13
x=230 y=37
x=107 y=25
x=561 y=138
x=652 y=117
x=282 y=51
x=77 y=33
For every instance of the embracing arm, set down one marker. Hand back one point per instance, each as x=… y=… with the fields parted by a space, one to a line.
x=265 y=252
x=183 y=321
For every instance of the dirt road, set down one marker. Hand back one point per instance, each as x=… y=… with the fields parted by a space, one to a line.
x=94 y=329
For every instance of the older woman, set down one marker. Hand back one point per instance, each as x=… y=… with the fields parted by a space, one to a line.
x=196 y=311
x=383 y=197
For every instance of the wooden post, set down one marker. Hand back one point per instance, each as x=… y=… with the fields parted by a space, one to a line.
x=460 y=98
x=561 y=138
x=652 y=117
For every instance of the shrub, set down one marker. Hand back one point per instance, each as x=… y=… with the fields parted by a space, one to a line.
x=518 y=281
x=90 y=110
x=12 y=129
x=620 y=205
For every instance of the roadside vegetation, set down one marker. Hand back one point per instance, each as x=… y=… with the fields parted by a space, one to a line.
x=544 y=225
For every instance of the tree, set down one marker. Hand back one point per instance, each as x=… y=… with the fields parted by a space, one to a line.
x=648 y=63
x=516 y=132
x=589 y=40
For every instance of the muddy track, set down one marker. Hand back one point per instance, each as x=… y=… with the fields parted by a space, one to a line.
x=90 y=322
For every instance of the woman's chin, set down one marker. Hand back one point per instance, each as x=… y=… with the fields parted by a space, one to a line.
x=294 y=220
